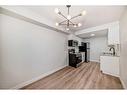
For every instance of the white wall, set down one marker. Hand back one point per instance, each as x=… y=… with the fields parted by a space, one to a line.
x=97 y=46
x=123 y=54
x=28 y=51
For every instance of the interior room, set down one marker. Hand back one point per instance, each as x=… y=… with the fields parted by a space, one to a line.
x=63 y=47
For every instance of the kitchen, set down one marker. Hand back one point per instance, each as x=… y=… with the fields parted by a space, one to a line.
x=103 y=47
x=78 y=54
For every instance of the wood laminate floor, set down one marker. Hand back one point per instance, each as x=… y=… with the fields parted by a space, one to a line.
x=86 y=76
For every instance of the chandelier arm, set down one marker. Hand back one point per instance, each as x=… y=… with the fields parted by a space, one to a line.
x=62 y=21
x=75 y=16
x=63 y=16
x=66 y=24
x=71 y=22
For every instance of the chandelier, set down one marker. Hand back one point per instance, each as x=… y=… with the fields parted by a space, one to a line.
x=67 y=22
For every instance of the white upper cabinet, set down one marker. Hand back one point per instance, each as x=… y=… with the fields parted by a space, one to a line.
x=113 y=34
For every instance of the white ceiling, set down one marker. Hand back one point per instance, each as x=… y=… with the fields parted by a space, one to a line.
x=96 y=15
x=97 y=34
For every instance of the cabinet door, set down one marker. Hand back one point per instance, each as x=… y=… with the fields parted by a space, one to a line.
x=113 y=35
x=110 y=65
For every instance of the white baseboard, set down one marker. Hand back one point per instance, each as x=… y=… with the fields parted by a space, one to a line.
x=109 y=73
x=36 y=79
x=94 y=61
x=124 y=86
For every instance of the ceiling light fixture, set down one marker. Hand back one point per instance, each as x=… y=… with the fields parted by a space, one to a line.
x=92 y=35
x=67 y=22
x=56 y=10
x=83 y=13
x=79 y=24
x=75 y=25
x=67 y=29
x=57 y=24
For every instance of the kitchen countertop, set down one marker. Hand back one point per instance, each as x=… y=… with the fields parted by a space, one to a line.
x=110 y=55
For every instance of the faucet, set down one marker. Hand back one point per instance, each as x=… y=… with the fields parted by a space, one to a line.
x=113 y=50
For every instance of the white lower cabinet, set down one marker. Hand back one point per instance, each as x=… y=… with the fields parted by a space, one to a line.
x=110 y=65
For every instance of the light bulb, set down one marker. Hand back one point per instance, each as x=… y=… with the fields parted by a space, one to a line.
x=68 y=17
x=92 y=35
x=79 y=24
x=67 y=29
x=75 y=25
x=83 y=13
x=57 y=24
x=57 y=10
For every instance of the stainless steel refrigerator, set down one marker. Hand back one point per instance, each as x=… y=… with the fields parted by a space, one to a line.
x=85 y=47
